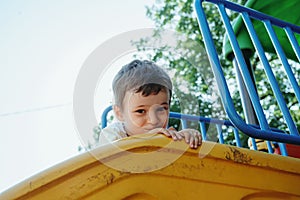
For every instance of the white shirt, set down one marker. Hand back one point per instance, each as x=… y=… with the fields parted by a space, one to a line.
x=112 y=132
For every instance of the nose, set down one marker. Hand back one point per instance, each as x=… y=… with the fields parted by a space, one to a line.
x=153 y=118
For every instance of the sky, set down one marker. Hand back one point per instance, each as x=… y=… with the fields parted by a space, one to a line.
x=43 y=47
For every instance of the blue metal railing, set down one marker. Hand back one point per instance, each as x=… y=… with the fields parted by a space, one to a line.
x=263 y=130
x=203 y=122
x=184 y=118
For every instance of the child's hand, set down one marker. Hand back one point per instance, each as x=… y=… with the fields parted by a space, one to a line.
x=171 y=132
x=192 y=137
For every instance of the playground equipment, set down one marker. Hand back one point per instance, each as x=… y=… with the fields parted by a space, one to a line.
x=140 y=167
x=251 y=32
x=213 y=171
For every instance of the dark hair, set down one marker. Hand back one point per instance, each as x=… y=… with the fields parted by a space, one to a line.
x=140 y=76
x=151 y=88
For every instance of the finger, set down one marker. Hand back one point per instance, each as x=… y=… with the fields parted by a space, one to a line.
x=174 y=134
x=169 y=133
x=160 y=130
x=192 y=137
x=193 y=141
x=200 y=139
x=166 y=132
x=188 y=137
x=184 y=134
x=197 y=139
x=178 y=135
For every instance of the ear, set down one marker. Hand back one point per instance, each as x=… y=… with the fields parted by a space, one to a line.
x=118 y=112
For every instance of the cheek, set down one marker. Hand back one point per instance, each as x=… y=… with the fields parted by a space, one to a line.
x=135 y=121
x=164 y=117
x=166 y=121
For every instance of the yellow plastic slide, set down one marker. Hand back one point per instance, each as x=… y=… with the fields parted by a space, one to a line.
x=155 y=167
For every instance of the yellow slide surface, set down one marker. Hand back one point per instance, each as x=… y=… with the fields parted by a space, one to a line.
x=155 y=167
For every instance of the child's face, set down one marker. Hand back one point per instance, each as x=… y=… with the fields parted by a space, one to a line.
x=141 y=114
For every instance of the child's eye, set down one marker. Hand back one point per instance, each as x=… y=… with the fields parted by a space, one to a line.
x=140 y=111
x=162 y=108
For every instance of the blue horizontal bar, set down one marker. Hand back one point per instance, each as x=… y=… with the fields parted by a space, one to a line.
x=256 y=15
x=199 y=118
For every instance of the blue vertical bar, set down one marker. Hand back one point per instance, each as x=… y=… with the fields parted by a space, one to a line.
x=286 y=114
x=243 y=68
x=203 y=130
x=282 y=58
x=215 y=64
x=250 y=116
x=270 y=75
x=220 y=134
x=254 y=146
x=237 y=137
x=270 y=148
x=104 y=117
x=293 y=41
x=212 y=54
x=283 y=149
x=183 y=123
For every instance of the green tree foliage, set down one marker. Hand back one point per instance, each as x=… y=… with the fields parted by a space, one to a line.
x=195 y=90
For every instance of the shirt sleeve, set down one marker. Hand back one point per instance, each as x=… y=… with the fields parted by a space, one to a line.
x=113 y=132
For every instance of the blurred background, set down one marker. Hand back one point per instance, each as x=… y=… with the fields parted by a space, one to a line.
x=43 y=46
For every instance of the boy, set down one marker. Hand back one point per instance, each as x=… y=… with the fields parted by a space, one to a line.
x=142 y=93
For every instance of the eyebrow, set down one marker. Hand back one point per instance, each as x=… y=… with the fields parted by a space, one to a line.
x=164 y=103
